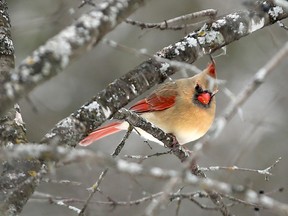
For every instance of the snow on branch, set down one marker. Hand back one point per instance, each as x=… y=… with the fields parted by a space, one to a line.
x=67 y=156
x=58 y=52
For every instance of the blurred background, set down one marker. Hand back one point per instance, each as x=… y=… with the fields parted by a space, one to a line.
x=255 y=141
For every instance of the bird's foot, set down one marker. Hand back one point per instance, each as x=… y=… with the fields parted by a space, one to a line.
x=176 y=147
x=174 y=144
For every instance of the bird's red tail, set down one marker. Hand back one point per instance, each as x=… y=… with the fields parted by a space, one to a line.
x=100 y=133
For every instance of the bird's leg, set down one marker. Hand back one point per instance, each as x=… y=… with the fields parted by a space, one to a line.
x=175 y=145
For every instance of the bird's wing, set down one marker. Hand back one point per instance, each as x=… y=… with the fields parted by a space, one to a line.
x=161 y=99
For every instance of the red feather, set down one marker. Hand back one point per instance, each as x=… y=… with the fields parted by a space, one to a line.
x=100 y=133
x=154 y=102
x=212 y=70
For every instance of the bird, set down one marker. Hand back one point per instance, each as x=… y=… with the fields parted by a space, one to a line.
x=184 y=108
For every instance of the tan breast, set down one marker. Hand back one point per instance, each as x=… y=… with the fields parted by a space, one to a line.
x=187 y=122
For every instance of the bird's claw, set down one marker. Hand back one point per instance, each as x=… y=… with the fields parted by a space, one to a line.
x=175 y=146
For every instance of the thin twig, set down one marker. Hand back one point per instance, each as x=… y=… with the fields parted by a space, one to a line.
x=93 y=190
x=62 y=203
x=265 y=172
x=237 y=200
x=154 y=206
x=172 y=23
x=95 y=186
x=187 y=178
x=122 y=143
x=178 y=207
x=141 y=158
x=64 y=181
x=281 y=189
x=43 y=196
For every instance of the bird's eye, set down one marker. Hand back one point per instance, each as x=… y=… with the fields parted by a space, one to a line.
x=198 y=88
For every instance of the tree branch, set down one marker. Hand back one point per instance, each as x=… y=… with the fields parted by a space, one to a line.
x=67 y=156
x=58 y=52
x=13 y=178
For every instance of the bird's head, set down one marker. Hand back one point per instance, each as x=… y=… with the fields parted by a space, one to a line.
x=205 y=86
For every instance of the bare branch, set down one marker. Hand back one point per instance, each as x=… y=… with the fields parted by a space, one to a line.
x=64 y=181
x=96 y=185
x=177 y=23
x=37 y=196
x=62 y=203
x=66 y=156
x=153 y=208
x=144 y=157
x=266 y=172
x=93 y=189
x=122 y=143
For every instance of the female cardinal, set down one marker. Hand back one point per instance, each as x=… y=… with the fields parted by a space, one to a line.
x=184 y=108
